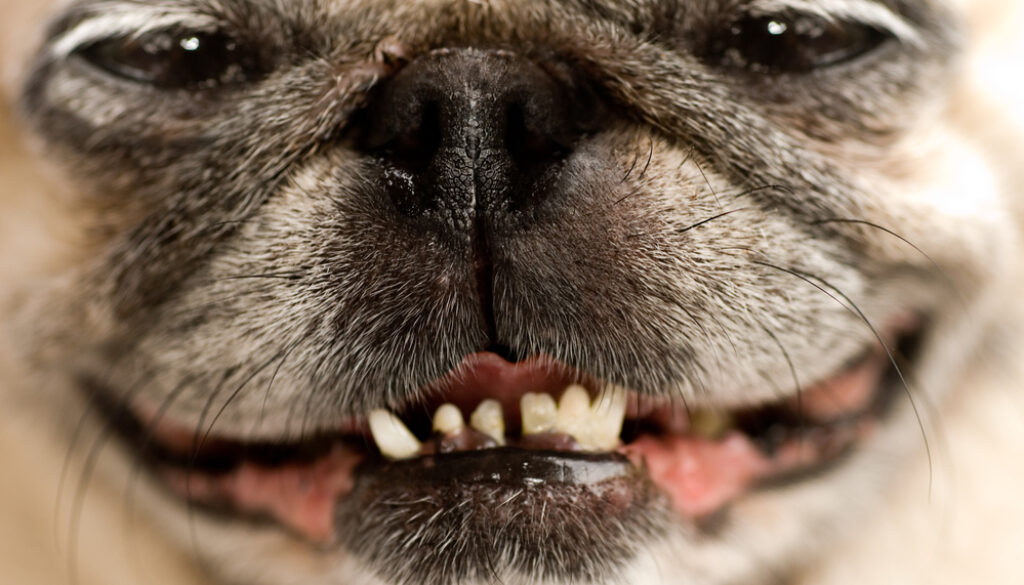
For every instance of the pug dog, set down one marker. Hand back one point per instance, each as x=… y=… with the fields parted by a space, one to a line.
x=459 y=292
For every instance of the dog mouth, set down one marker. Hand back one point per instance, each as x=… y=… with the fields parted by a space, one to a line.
x=493 y=431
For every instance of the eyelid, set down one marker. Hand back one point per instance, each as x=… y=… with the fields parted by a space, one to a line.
x=862 y=12
x=127 y=22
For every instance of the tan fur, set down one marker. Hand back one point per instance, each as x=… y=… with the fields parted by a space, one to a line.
x=961 y=520
x=956 y=520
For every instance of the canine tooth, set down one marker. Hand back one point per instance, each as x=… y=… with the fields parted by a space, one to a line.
x=574 y=413
x=393 y=438
x=490 y=420
x=540 y=413
x=448 y=419
x=710 y=424
x=606 y=417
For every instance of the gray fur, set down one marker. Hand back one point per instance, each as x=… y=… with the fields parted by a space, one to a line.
x=253 y=279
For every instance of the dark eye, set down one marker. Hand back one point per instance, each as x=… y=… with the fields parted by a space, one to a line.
x=173 y=60
x=791 y=44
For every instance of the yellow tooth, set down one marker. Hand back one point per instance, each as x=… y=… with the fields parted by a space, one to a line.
x=490 y=420
x=448 y=419
x=539 y=413
x=710 y=424
x=574 y=413
x=393 y=438
x=606 y=417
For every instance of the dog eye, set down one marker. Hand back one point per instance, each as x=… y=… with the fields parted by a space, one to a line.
x=172 y=60
x=792 y=44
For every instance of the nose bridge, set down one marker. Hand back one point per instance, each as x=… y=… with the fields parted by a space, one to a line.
x=472 y=106
x=481 y=94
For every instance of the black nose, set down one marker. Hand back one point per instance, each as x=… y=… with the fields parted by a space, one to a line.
x=470 y=131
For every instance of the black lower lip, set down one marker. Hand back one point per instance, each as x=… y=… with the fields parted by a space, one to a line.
x=507 y=467
x=577 y=515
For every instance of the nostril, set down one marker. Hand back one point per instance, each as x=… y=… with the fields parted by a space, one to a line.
x=530 y=147
x=415 y=146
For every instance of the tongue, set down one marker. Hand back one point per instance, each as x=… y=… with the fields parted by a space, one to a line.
x=698 y=475
x=301 y=497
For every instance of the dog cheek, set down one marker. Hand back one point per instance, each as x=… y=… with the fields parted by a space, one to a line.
x=947 y=202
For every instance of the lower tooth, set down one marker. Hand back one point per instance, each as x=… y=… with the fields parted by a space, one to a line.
x=539 y=413
x=574 y=413
x=393 y=438
x=489 y=419
x=710 y=424
x=448 y=419
x=607 y=415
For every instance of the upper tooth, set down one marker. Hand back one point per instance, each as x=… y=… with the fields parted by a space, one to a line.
x=709 y=424
x=573 y=412
x=448 y=419
x=606 y=417
x=539 y=413
x=393 y=438
x=490 y=420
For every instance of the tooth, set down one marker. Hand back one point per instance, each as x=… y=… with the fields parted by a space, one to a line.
x=539 y=413
x=709 y=424
x=448 y=419
x=574 y=413
x=490 y=420
x=393 y=438
x=606 y=417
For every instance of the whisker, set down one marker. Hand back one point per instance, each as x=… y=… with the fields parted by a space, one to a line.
x=314 y=394
x=91 y=399
x=76 y=436
x=145 y=443
x=286 y=276
x=792 y=372
x=78 y=501
x=650 y=157
x=850 y=305
x=708 y=220
x=949 y=282
x=266 y=393
x=707 y=181
x=138 y=463
x=632 y=167
x=89 y=464
x=234 y=395
x=193 y=459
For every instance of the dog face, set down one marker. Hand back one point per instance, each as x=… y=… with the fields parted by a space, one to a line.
x=728 y=237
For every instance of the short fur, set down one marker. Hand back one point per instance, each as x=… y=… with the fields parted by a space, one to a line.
x=232 y=262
